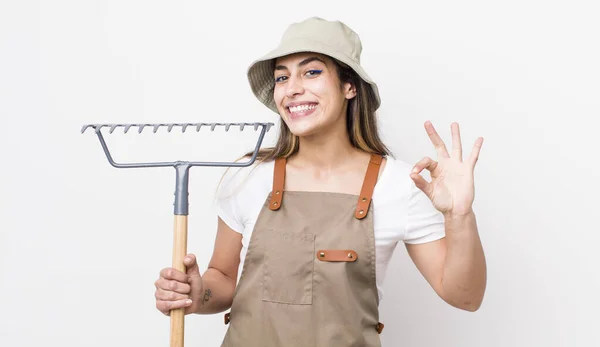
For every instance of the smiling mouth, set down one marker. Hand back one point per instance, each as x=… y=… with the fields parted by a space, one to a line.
x=301 y=110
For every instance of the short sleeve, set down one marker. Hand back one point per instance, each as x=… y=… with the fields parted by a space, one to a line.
x=424 y=222
x=226 y=200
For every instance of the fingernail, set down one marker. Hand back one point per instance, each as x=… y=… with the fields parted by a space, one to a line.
x=189 y=280
x=415 y=170
x=188 y=301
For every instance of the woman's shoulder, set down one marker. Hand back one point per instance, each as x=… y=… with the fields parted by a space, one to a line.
x=397 y=164
x=397 y=170
x=394 y=180
x=246 y=179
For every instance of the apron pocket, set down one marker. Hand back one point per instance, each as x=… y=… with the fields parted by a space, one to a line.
x=289 y=267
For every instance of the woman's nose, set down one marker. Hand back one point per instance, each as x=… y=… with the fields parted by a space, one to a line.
x=294 y=87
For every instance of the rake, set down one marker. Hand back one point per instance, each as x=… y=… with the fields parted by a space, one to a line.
x=181 y=204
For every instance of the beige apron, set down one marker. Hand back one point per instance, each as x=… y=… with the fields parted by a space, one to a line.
x=309 y=274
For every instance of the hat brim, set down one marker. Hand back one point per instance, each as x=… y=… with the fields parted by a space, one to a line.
x=260 y=72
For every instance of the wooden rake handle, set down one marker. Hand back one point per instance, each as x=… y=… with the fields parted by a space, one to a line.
x=179 y=252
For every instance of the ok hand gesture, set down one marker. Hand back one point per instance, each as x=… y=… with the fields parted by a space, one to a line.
x=452 y=188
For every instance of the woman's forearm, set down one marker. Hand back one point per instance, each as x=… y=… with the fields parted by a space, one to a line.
x=464 y=278
x=217 y=291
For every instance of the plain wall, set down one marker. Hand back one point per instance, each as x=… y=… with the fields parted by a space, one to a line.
x=81 y=243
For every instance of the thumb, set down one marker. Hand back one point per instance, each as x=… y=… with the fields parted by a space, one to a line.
x=191 y=265
x=421 y=183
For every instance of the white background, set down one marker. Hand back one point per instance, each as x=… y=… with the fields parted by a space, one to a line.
x=81 y=243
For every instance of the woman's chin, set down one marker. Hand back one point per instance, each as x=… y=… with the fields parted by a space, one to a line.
x=302 y=130
x=302 y=126
x=305 y=127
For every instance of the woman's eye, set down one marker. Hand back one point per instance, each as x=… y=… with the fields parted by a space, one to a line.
x=280 y=79
x=313 y=72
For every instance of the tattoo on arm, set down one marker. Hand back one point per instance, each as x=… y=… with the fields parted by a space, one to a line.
x=207 y=295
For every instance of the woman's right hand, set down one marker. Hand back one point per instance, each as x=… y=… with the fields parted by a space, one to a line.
x=175 y=289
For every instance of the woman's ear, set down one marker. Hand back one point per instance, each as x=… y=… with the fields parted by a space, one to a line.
x=349 y=90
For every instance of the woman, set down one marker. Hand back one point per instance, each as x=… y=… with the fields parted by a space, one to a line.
x=312 y=226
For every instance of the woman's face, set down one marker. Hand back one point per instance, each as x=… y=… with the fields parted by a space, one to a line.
x=308 y=93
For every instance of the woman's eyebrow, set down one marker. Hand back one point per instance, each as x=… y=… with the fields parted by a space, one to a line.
x=303 y=62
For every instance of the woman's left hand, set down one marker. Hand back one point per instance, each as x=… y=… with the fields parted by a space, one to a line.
x=452 y=187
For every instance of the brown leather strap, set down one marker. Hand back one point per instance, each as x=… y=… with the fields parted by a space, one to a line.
x=379 y=327
x=364 y=200
x=227 y=317
x=337 y=255
x=278 y=182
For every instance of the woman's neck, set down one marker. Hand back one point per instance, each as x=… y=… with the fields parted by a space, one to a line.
x=328 y=150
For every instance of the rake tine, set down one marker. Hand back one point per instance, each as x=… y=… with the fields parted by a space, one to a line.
x=212 y=126
x=112 y=128
x=242 y=126
x=185 y=125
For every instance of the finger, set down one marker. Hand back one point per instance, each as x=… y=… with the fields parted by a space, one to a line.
x=425 y=163
x=174 y=274
x=174 y=286
x=421 y=183
x=167 y=295
x=456 y=142
x=439 y=145
x=191 y=265
x=474 y=157
x=166 y=306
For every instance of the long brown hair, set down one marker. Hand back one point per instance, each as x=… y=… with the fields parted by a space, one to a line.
x=361 y=122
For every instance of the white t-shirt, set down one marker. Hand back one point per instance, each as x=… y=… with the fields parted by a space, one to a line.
x=401 y=211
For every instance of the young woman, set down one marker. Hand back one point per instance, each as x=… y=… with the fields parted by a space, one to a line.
x=311 y=227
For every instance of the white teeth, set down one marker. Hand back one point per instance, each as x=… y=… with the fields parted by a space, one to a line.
x=302 y=108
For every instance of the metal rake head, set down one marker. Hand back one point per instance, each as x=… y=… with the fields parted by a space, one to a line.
x=181 y=203
x=184 y=126
x=170 y=126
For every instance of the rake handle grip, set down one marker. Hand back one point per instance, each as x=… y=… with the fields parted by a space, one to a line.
x=179 y=252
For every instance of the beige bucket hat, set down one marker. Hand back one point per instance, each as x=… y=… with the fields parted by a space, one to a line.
x=331 y=38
